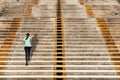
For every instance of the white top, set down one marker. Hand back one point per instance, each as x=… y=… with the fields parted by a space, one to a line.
x=27 y=42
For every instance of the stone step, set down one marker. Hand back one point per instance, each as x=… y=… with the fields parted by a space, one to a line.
x=20 y=39
x=68 y=62
x=92 y=77
x=67 y=54
x=72 y=50
x=68 y=32
x=67 y=47
x=84 y=77
x=72 y=53
x=30 y=63
x=35 y=54
x=35 y=47
x=90 y=73
x=51 y=73
x=72 y=66
x=47 y=58
x=67 y=57
x=90 y=54
x=51 y=68
x=51 y=50
x=66 y=36
x=32 y=77
x=40 y=25
x=47 y=55
x=89 y=68
x=77 y=71
x=67 y=40
x=27 y=24
x=32 y=38
x=29 y=73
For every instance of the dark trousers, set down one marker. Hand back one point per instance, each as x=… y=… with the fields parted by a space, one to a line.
x=27 y=53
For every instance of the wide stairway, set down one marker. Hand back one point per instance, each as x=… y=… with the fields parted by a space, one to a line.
x=71 y=39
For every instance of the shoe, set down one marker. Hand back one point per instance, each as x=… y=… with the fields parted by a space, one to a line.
x=26 y=64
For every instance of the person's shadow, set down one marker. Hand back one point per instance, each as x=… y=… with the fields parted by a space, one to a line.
x=34 y=43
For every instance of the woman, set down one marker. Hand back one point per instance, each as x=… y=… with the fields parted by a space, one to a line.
x=27 y=47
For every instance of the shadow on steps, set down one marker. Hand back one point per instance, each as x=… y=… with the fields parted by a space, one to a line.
x=34 y=43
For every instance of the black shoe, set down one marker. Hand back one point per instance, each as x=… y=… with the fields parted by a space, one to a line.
x=26 y=64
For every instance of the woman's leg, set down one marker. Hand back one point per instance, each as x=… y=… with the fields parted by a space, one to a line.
x=29 y=49
x=26 y=54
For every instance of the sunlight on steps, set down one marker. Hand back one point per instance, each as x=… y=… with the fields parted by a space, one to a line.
x=71 y=40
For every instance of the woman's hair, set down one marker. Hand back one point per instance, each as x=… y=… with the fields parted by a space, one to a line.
x=27 y=36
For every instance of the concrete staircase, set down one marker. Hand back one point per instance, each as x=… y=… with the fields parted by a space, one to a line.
x=82 y=52
x=86 y=53
x=42 y=59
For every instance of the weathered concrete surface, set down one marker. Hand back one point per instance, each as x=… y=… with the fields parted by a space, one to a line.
x=91 y=39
